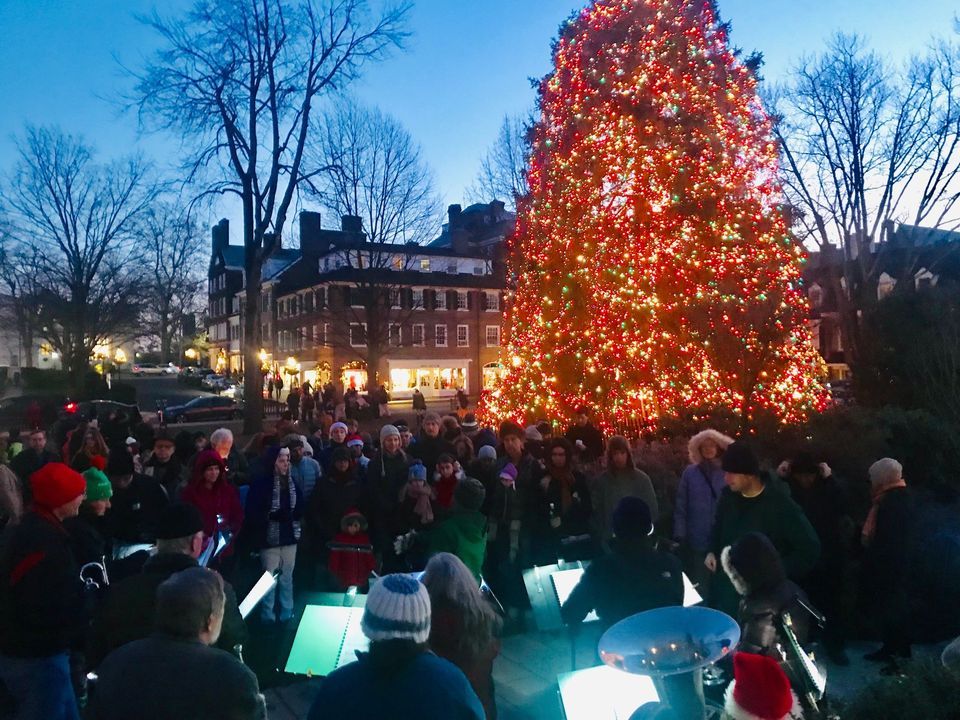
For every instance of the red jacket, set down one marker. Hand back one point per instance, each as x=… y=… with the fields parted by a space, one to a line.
x=222 y=499
x=352 y=565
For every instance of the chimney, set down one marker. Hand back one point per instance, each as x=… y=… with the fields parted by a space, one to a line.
x=311 y=235
x=453 y=214
x=497 y=208
x=220 y=235
x=351 y=224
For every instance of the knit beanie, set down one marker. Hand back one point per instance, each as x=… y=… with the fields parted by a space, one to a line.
x=341 y=453
x=508 y=428
x=532 y=433
x=387 y=431
x=760 y=690
x=752 y=563
x=398 y=608
x=739 y=458
x=56 y=484
x=509 y=473
x=418 y=472
x=469 y=494
x=631 y=518
x=179 y=520
x=120 y=463
x=469 y=422
x=487 y=452
x=98 y=485
x=432 y=417
x=339 y=426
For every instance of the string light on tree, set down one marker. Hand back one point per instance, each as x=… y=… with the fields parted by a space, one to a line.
x=653 y=266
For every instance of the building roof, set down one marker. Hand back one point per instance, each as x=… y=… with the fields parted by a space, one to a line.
x=917 y=236
x=394 y=278
x=279 y=261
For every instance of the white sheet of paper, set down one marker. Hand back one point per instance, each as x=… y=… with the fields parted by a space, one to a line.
x=264 y=585
x=564 y=581
x=603 y=693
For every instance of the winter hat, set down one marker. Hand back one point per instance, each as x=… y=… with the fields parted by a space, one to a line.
x=508 y=428
x=352 y=515
x=56 y=484
x=341 y=453
x=339 y=426
x=532 y=433
x=418 y=472
x=752 y=563
x=487 y=452
x=469 y=494
x=292 y=441
x=131 y=441
x=120 y=464
x=397 y=608
x=402 y=425
x=388 y=431
x=163 y=435
x=469 y=422
x=631 y=518
x=739 y=458
x=760 y=690
x=804 y=464
x=179 y=520
x=508 y=475
x=307 y=447
x=432 y=417
x=98 y=485
x=354 y=441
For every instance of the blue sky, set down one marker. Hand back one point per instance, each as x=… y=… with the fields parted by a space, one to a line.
x=466 y=66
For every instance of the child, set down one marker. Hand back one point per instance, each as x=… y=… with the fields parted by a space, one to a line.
x=351 y=554
x=445 y=479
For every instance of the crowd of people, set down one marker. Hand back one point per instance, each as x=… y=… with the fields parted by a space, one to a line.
x=333 y=508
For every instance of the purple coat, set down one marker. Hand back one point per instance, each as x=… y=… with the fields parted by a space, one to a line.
x=697 y=495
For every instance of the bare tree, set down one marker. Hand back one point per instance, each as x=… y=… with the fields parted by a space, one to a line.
x=174 y=249
x=370 y=167
x=238 y=80
x=19 y=283
x=76 y=222
x=503 y=170
x=864 y=144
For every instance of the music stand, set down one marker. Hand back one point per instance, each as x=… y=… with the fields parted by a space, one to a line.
x=328 y=634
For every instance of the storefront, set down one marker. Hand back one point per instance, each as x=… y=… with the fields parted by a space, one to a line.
x=354 y=375
x=492 y=372
x=317 y=374
x=434 y=378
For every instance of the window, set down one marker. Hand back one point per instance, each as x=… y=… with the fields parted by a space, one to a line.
x=355 y=297
x=321 y=297
x=461 y=300
x=397 y=263
x=326 y=265
x=326 y=334
x=463 y=336
x=440 y=300
x=358 y=334
x=266 y=333
x=492 y=301
x=440 y=334
x=395 y=299
x=308 y=302
x=478 y=269
x=452 y=268
x=417 y=299
x=493 y=336
x=265 y=302
x=395 y=338
x=424 y=264
x=418 y=335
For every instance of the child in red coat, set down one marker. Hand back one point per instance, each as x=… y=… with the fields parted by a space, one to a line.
x=351 y=554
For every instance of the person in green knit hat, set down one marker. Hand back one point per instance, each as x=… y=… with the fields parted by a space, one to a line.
x=89 y=530
x=464 y=532
x=749 y=504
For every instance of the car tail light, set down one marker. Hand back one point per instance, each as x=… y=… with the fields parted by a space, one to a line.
x=70 y=407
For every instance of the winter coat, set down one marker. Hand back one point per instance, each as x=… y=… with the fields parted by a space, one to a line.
x=170 y=474
x=326 y=456
x=89 y=537
x=486 y=472
x=611 y=487
x=419 y=401
x=135 y=510
x=259 y=512
x=428 y=688
x=827 y=507
x=696 y=503
x=333 y=496
x=464 y=534
x=887 y=572
x=592 y=439
x=633 y=578
x=126 y=613
x=306 y=472
x=428 y=449
x=28 y=461
x=386 y=476
x=352 y=559
x=222 y=499
x=447 y=627
x=775 y=515
x=547 y=524
x=41 y=595
x=162 y=677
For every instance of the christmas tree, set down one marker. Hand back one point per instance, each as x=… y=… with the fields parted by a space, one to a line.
x=653 y=266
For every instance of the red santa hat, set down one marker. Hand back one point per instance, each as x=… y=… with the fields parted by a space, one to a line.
x=760 y=691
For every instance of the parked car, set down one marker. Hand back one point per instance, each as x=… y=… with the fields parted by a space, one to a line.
x=14 y=410
x=170 y=369
x=210 y=382
x=102 y=408
x=209 y=407
x=147 y=369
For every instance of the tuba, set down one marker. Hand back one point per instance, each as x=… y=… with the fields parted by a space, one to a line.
x=94 y=575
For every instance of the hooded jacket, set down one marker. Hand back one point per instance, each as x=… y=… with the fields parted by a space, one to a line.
x=614 y=485
x=260 y=503
x=464 y=534
x=222 y=499
x=698 y=493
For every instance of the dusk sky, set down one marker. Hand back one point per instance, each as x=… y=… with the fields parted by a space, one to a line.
x=467 y=65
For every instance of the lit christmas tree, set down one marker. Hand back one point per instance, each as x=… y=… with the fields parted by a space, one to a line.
x=654 y=271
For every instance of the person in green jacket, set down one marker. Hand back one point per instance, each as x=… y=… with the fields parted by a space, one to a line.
x=621 y=479
x=748 y=504
x=464 y=532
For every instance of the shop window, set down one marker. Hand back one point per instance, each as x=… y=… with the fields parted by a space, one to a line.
x=440 y=335
x=358 y=334
x=417 y=335
x=463 y=336
x=461 y=300
x=493 y=336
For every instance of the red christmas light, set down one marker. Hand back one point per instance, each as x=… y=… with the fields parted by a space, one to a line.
x=654 y=270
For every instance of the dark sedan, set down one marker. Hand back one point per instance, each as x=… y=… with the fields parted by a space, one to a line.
x=208 y=407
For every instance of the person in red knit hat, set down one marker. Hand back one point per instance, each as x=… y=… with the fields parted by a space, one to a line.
x=760 y=691
x=41 y=599
x=351 y=553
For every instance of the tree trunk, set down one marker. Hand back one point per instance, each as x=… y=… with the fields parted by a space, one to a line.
x=252 y=379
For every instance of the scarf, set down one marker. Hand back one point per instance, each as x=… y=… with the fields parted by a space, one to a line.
x=870 y=526
x=565 y=480
x=422 y=508
x=273 y=526
x=445 y=488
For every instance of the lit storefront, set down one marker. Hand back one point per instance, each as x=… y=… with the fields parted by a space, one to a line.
x=433 y=378
x=492 y=372
x=354 y=375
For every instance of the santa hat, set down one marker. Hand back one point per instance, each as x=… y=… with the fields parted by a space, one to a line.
x=760 y=691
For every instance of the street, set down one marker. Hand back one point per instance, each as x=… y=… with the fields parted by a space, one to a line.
x=153 y=388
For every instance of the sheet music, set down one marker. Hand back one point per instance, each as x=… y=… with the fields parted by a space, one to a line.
x=265 y=584
x=564 y=581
